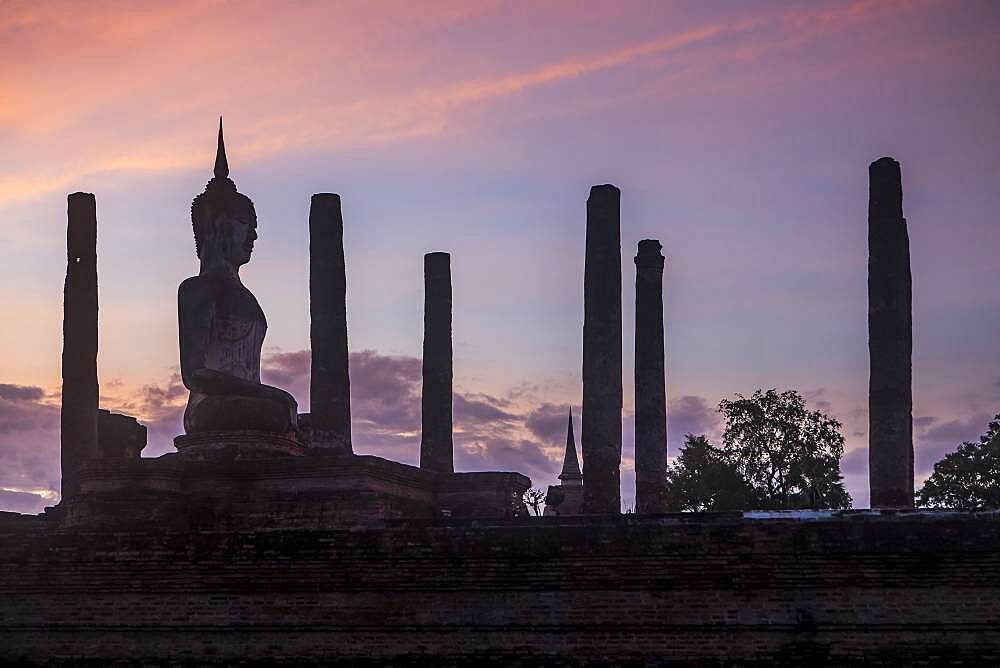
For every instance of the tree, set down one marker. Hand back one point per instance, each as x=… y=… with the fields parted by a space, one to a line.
x=788 y=456
x=969 y=478
x=702 y=480
x=533 y=498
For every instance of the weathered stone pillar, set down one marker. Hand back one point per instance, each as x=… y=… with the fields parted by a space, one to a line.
x=78 y=421
x=890 y=341
x=602 y=353
x=650 y=390
x=330 y=383
x=436 y=449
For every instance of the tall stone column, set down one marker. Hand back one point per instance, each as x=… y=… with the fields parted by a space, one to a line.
x=436 y=449
x=890 y=341
x=602 y=353
x=330 y=383
x=78 y=421
x=650 y=390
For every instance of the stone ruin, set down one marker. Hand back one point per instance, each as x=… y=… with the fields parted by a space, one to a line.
x=377 y=562
x=248 y=458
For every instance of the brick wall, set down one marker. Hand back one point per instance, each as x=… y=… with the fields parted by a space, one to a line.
x=710 y=589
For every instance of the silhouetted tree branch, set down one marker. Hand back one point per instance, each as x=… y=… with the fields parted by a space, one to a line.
x=534 y=498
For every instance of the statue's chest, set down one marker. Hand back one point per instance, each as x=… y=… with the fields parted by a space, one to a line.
x=238 y=315
x=238 y=334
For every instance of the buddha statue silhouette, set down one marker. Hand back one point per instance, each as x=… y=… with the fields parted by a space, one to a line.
x=221 y=324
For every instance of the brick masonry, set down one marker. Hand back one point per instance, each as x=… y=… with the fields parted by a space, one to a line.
x=713 y=589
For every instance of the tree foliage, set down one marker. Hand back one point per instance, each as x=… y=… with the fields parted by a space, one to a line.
x=702 y=480
x=774 y=455
x=789 y=456
x=969 y=478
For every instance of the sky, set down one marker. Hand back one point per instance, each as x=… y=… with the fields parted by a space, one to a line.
x=739 y=133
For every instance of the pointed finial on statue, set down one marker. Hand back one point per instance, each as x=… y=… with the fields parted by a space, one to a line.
x=221 y=164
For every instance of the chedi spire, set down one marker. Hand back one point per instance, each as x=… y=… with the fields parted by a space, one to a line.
x=571 y=468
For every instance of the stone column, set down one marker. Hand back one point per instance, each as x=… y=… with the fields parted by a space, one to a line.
x=78 y=421
x=330 y=383
x=650 y=390
x=436 y=449
x=890 y=341
x=602 y=353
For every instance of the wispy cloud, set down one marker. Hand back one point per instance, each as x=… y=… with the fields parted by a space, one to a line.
x=118 y=104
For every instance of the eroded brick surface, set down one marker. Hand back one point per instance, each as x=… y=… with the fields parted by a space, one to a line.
x=709 y=590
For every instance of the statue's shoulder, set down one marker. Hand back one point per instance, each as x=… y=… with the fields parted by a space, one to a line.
x=197 y=288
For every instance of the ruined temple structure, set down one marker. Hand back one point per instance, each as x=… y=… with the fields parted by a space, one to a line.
x=566 y=498
x=264 y=539
x=248 y=458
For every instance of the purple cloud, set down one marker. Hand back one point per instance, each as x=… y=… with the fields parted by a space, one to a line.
x=505 y=454
x=548 y=423
x=29 y=448
x=159 y=406
x=290 y=372
x=479 y=407
x=689 y=414
x=490 y=432
x=932 y=443
x=20 y=392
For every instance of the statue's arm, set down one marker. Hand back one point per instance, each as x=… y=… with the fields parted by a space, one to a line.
x=195 y=306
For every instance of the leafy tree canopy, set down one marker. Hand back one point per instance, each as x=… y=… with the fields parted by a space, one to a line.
x=702 y=480
x=789 y=456
x=969 y=478
x=775 y=455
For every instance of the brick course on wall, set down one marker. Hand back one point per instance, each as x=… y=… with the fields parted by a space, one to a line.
x=708 y=589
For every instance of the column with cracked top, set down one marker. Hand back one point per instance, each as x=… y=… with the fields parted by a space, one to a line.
x=78 y=420
x=436 y=448
x=890 y=341
x=330 y=383
x=650 y=390
x=601 y=439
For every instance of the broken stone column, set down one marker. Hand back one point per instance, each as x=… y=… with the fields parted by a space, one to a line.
x=890 y=341
x=330 y=384
x=602 y=353
x=119 y=436
x=650 y=390
x=436 y=448
x=78 y=421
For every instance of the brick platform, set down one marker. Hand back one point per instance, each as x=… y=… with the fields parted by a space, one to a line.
x=835 y=588
x=315 y=491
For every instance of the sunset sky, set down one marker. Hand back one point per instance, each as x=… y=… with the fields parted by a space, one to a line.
x=740 y=134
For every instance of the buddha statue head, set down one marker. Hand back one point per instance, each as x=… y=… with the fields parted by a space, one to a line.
x=224 y=220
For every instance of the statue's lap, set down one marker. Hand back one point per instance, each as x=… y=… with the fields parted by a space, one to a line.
x=226 y=412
